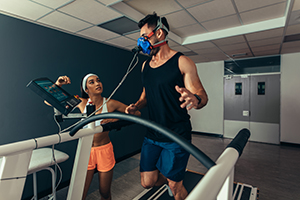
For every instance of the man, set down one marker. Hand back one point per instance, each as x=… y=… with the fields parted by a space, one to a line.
x=171 y=87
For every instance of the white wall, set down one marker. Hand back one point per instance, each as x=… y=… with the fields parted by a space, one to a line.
x=210 y=118
x=290 y=98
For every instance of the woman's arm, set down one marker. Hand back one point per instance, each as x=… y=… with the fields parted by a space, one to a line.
x=114 y=105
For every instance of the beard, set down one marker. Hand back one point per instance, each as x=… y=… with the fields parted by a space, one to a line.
x=154 y=51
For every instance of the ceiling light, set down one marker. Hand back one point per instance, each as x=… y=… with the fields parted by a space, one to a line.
x=291 y=38
x=120 y=26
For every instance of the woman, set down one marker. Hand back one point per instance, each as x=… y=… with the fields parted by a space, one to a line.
x=102 y=156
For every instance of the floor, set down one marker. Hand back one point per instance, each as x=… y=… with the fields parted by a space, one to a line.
x=274 y=169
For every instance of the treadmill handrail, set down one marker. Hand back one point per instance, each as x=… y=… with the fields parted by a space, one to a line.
x=197 y=153
x=240 y=140
x=35 y=143
x=210 y=185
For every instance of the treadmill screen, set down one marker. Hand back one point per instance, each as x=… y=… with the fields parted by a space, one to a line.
x=55 y=95
x=52 y=89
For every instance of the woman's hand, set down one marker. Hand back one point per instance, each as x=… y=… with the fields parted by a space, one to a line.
x=105 y=121
x=62 y=80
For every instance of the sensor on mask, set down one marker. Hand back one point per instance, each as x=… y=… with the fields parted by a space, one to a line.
x=145 y=45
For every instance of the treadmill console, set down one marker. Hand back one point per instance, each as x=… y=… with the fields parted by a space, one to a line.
x=55 y=95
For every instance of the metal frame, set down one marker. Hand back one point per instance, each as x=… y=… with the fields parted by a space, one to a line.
x=217 y=183
x=16 y=158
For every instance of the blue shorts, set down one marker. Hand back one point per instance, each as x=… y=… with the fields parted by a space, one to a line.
x=167 y=157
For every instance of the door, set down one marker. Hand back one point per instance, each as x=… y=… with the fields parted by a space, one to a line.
x=253 y=102
x=236 y=104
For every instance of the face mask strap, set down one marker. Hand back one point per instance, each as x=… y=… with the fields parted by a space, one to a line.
x=159 y=25
x=150 y=35
x=159 y=44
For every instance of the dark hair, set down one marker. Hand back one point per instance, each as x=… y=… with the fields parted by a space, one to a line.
x=83 y=94
x=151 y=20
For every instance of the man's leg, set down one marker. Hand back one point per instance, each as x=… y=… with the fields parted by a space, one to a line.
x=172 y=163
x=178 y=190
x=152 y=178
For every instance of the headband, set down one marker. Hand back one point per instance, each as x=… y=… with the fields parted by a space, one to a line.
x=85 y=79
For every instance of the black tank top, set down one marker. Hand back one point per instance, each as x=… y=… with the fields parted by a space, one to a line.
x=163 y=99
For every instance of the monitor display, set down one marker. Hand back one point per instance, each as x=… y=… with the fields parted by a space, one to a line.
x=54 y=95
x=52 y=89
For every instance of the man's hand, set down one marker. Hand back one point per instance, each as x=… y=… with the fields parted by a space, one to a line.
x=131 y=109
x=63 y=80
x=189 y=100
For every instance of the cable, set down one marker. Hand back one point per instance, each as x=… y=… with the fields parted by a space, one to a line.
x=59 y=128
x=61 y=175
x=60 y=179
x=56 y=165
x=129 y=69
x=53 y=155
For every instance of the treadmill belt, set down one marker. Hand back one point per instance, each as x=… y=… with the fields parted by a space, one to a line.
x=190 y=181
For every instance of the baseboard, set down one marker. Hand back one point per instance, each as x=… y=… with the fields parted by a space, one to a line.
x=290 y=144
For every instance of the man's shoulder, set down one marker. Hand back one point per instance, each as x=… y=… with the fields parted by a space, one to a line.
x=183 y=57
x=185 y=60
x=185 y=64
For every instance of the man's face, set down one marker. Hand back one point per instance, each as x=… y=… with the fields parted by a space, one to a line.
x=145 y=31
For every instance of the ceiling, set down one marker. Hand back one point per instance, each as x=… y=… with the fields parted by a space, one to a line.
x=205 y=30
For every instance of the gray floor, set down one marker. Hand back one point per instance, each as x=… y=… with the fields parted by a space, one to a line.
x=274 y=169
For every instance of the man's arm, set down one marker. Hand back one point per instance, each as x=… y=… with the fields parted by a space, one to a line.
x=192 y=84
x=141 y=103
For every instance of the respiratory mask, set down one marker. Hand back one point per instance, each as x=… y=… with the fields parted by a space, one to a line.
x=145 y=45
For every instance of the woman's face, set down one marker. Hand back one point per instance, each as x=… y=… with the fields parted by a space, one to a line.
x=93 y=85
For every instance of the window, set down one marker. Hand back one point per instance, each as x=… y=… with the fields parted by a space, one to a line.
x=238 y=88
x=261 y=86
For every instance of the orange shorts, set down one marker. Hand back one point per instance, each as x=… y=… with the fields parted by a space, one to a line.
x=102 y=157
